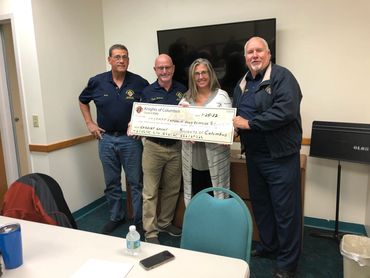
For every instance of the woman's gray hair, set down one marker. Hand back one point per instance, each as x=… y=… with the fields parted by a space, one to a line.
x=192 y=85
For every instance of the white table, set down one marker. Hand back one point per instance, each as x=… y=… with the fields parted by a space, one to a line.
x=52 y=251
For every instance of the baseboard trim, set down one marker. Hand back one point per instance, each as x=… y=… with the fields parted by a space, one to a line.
x=343 y=227
x=324 y=224
x=92 y=206
x=89 y=208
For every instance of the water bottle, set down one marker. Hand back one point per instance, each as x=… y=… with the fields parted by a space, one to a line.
x=133 y=241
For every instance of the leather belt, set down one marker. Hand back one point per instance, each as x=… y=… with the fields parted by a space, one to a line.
x=162 y=142
x=115 y=133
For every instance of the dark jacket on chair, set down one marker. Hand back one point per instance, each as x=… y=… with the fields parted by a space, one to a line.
x=37 y=197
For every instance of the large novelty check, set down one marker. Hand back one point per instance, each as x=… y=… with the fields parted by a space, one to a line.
x=213 y=125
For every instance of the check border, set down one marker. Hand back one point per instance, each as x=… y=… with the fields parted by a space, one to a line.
x=193 y=123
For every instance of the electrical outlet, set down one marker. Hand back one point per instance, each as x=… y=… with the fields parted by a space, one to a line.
x=35 y=120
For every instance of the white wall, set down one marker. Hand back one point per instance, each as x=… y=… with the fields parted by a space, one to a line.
x=324 y=43
x=59 y=45
x=19 y=13
x=70 y=46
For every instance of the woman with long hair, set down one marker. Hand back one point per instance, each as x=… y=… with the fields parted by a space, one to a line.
x=204 y=164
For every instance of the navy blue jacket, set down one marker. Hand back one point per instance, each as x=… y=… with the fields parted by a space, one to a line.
x=277 y=99
x=113 y=104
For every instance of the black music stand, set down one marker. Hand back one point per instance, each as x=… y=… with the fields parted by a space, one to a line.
x=341 y=142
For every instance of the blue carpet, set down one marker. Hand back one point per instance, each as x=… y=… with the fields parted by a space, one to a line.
x=320 y=257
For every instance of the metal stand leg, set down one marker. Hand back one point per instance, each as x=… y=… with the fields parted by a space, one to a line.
x=336 y=236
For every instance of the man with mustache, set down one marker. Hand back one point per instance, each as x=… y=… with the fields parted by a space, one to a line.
x=114 y=93
x=268 y=121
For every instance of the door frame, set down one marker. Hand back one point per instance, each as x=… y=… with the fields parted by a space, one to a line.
x=6 y=119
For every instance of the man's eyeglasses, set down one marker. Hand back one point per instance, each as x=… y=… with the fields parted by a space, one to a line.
x=198 y=74
x=119 y=57
x=163 y=68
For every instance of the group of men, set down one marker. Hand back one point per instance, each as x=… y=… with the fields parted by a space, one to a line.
x=114 y=93
x=268 y=122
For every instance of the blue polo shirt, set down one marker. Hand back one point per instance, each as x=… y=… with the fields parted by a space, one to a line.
x=157 y=94
x=113 y=104
x=154 y=93
x=255 y=142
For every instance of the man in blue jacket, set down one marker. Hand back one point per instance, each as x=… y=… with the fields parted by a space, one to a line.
x=114 y=93
x=268 y=121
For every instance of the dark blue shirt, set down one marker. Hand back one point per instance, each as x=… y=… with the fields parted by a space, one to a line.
x=154 y=93
x=113 y=104
x=247 y=108
x=157 y=94
x=255 y=142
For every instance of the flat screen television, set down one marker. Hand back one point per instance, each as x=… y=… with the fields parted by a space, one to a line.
x=221 y=44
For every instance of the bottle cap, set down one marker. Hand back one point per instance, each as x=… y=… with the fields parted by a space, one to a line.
x=132 y=228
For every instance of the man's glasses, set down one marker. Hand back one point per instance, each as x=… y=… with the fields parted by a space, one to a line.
x=199 y=73
x=119 y=57
x=163 y=68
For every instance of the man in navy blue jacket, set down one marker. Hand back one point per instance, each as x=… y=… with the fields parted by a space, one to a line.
x=268 y=121
x=114 y=93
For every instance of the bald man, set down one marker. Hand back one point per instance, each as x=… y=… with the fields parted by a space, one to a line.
x=268 y=121
x=161 y=158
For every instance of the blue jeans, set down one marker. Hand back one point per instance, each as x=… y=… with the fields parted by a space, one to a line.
x=116 y=152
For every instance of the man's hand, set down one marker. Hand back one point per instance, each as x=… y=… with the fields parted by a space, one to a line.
x=130 y=134
x=91 y=125
x=95 y=130
x=240 y=123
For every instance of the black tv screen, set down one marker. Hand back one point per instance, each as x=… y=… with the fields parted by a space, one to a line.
x=221 y=44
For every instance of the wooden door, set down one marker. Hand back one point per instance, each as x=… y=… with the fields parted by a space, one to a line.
x=3 y=183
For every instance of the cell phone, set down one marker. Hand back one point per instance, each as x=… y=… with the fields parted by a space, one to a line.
x=156 y=260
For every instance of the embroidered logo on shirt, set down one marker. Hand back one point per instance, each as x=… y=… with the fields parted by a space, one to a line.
x=179 y=95
x=130 y=94
x=153 y=99
x=268 y=90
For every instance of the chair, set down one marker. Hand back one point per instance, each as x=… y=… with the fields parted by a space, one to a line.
x=218 y=226
x=58 y=196
x=39 y=198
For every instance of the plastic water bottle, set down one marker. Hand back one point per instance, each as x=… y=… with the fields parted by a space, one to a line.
x=133 y=241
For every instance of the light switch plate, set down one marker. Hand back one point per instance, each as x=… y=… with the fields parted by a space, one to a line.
x=35 y=120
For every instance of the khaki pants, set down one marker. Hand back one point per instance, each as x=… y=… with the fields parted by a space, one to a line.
x=162 y=170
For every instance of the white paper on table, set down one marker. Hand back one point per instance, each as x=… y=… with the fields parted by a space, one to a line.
x=94 y=268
